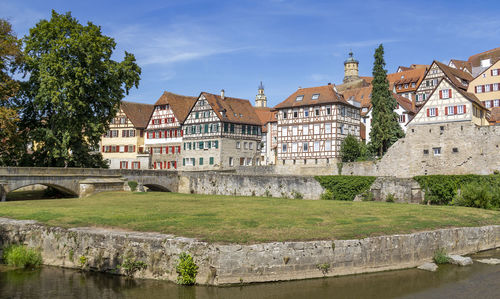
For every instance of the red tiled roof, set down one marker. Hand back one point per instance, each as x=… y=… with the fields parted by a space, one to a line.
x=461 y=65
x=327 y=94
x=455 y=75
x=138 y=113
x=266 y=115
x=232 y=110
x=407 y=77
x=475 y=59
x=180 y=105
x=494 y=115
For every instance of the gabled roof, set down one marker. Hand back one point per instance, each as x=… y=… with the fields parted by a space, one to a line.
x=138 y=113
x=266 y=115
x=455 y=75
x=408 y=76
x=475 y=59
x=180 y=105
x=492 y=66
x=363 y=95
x=232 y=110
x=327 y=94
x=461 y=65
x=469 y=96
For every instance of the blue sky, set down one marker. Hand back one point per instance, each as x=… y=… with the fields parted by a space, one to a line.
x=187 y=46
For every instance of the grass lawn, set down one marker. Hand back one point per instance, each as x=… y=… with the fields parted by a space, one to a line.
x=244 y=219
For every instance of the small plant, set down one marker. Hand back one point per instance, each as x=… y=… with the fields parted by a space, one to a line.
x=21 y=256
x=297 y=195
x=324 y=268
x=440 y=257
x=286 y=259
x=71 y=254
x=130 y=266
x=253 y=192
x=390 y=198
x=339 y=168
x=83 y=260
x=268 y=193
x=367 y=196
x=327 y=195
x=186 y=269
x=132 y=185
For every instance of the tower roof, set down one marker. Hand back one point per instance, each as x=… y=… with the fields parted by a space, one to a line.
x=261 y=86
x=351 y=59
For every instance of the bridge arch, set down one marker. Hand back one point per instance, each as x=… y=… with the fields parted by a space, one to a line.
x=156 y=187
x=62 y=189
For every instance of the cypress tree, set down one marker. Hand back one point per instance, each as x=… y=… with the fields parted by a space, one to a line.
x=385 y=127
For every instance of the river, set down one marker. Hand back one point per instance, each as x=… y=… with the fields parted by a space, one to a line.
x=450 y=281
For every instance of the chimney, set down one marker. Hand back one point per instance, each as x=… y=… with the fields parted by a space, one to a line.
x=222 y=94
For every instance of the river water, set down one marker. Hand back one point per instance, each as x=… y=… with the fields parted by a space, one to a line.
x=450 y=281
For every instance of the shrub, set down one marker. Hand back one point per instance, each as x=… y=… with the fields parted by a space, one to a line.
x=442 y=189
x=297 y=195
x=83 y=260
x=440 y=257
x=327 y=195
x=133 y=185
x=367 y=196
x=21 y=256
x=390 y=198
x=344 y=187
x=186 y=269
x=130 y=265
x=478 y=196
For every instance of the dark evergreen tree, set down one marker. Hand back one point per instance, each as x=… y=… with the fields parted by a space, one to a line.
x=385 y=126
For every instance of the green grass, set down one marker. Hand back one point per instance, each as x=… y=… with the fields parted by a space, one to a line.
x=244 y=219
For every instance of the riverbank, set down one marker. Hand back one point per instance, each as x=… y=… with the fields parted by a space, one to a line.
x=104 y=249
x=245 y=220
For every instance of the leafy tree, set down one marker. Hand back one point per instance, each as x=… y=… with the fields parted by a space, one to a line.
x=73 y=91
x=11 y=145
x=385 y=127
x=350 y=149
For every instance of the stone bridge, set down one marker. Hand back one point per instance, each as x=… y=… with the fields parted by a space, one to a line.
x=81 y=182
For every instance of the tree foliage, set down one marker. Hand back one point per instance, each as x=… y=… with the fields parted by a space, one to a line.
x=353 y=149
x=11 y=146
x=73 y=91
x=385 y=127
x=342 y=187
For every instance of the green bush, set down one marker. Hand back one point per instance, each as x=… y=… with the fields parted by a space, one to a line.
x=344 y=187
x=132 y=185
x=390 y=198
x=367 y=196
x=478 y=195
x=186 y=269
x=440 y=257
x=21 y=256
x=130 y=265
x=442 y=189
x=327 y=195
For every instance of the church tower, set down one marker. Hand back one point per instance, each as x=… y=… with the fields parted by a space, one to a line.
x=351 y=69
x=260 y=98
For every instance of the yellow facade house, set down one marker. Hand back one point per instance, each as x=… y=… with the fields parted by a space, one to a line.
x=123 y=144
x=486 y=86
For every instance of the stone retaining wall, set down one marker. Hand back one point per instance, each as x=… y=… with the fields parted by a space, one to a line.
x=232 y=264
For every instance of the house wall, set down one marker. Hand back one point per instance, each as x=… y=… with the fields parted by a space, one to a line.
x=489 y=98
x=428 y=84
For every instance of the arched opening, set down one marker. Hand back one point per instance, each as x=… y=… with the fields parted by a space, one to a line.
x=39 y=191
x=155 y=188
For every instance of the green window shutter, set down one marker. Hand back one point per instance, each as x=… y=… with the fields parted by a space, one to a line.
x=216 y=127
x=206 y=128
x=197 y=115
x=201 y=161
x=194 y=161
x=225 y=127
x=211 y=160
x=183 y=161
x=210 y=144
x=232 y=128
x=185 y=146
x=200 y=145
x=216 y=143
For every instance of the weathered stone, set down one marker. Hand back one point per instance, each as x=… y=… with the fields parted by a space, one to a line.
x=460 y=260
x=490 y=261
x=428 y=267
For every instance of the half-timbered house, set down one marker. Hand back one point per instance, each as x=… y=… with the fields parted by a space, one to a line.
x=269 y=139
x=220 y=133
x=164 y=130
x=312 y=122
x=123 y=144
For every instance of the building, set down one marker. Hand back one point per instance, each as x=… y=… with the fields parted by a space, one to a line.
x=411 y=67
x=269 y=121
x=351 y=75
x=312 y=122
x=486 y=86
x=220 y=133
x=481 y=61
x=260 y=98
x=404 y=108
x=433 y=76
x=450 y=103
x=123 y=144
x=461 y=65
x=405 y=83
x=164 y=130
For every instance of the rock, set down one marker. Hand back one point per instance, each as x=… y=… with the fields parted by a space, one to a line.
x=490 y=261
x=460 y=260
x=428 y=267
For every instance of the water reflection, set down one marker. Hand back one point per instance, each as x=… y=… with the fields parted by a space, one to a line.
x=478 y=281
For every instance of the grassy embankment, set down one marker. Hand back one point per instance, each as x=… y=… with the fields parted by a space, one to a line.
x=244 y=219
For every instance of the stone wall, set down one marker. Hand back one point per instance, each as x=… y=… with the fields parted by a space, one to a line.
x=232 y=263
x=404 y=190
x=249 y=185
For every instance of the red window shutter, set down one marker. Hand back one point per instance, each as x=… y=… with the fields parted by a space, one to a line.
x=437 y=111
x=449 y=93
x=428 y=113
x=482 y=87
x=440 y=94
x=491 y=87
x=134 y=148
x=445 y=110
x=138 y=165
x=173 y=119
x=103 y=149
x=465 y=109
x=168 y=165
x=175 y=133
x=179 y=149
x=125 y=148
x=182 y=133
x=166 y=149
x=175 y=164
x=455 y=109
x=154 y=135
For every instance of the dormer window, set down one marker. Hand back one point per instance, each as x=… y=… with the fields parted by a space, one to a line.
x=403 y=76
x=315 y=96
x=299 y=98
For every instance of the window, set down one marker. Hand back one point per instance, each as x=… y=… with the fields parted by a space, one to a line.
x=413 y=84
x=406 y=85
x=342 y=129
x=315 y=96
x=328 y=128
x=342 y=111
x=306 y=113
x=299 y=98
x=328 y=145
x=231 y=161
x=201 y=161
x=294 y=147
x=316 y=129
x=455 y=150
x=305 y=130
x=250 y=145
x=436 y=151
x=305 y=146
x=461 y=109
x=316 y=146
x=211 y=161
x=136 y=165
x=245 y=145
x=294 y=131
x=285 y=114
x=402 y=118
x=496 y=103
x=316 y=111
x=295 y=113
x=432 y=112
x=284 y=131
x=283 y=149
x=495 y=86
x=238 y=144
x=445 y=93
x=487 y=104
x=479 y=88
x=487 y=88
x=231 y=128
x=123 y=164
x=450 y=110
x=328 y=110
x=426 y=152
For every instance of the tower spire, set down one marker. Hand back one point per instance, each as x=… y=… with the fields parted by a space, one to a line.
x=260 y=98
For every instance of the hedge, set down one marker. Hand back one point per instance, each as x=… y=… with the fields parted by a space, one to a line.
x=342 y=187
x=442 y=189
